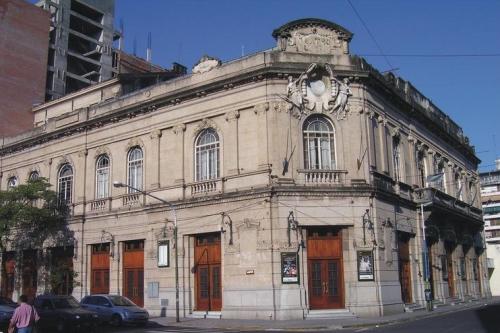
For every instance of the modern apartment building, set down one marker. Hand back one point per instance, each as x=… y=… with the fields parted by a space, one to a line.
x=490 y=197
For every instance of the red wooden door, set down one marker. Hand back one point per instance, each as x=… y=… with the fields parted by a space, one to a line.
x=8 y=274
x=30 y=274
x=325 y=270
x=208 y=277
x=133 y=271
x=99 y=263
x=405 y=268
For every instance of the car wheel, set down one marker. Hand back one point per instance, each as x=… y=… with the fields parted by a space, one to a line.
x=116 y=320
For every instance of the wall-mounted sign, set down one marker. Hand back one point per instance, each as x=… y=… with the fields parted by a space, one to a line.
x=289 y=267
x=365 y=266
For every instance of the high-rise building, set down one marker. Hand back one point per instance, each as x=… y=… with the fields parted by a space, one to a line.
x=490 y=193
x=80 y=46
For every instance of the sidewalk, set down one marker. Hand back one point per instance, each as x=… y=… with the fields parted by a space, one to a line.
x=317 y=324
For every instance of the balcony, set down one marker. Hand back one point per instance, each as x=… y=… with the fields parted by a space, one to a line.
x=448 y=204
x=99 y=205
x=205 y=187
x=132 y=199
x=490 y=262
x=322 y=177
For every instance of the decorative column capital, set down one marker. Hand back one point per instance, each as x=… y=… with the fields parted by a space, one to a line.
x=179 y=129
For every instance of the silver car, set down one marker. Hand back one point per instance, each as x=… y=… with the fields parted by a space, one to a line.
x=115 y=309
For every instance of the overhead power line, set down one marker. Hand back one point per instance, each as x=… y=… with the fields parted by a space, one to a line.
x=371 y=35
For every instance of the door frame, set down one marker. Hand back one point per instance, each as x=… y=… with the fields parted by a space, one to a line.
x=403 y=237
x=135 y=267
x=335 y=255
x=208 y=256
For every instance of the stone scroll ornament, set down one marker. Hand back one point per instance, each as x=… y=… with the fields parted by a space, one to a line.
x=317 y=90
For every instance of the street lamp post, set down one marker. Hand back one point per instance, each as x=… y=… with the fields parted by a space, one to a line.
x=120 y=184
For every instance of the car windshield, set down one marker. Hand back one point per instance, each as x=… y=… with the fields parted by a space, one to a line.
x=120 y=301
x=65 y=303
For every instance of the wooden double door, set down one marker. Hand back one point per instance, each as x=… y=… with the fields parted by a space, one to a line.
x=208 y=273
x=325 y=268
x=99 y=263
x=405 y=267
x=133 y=271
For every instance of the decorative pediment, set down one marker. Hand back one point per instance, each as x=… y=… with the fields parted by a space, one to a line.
x=134 y=142
x=204 y=124
x=313 y=36
x=102 y=151
x=318 y=90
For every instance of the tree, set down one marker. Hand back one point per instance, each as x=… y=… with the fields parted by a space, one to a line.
x=29 y=214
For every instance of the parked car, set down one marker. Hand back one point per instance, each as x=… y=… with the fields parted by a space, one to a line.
x=116 y=309
x=7 y=307
x=64 y=314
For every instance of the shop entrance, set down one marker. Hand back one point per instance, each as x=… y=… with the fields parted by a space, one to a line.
x=325 y=268
x=405 y=267
x=99 y=262
x=133 y=271
x=207 y=272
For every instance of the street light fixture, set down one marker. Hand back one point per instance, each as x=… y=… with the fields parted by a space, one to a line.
x=120 y=184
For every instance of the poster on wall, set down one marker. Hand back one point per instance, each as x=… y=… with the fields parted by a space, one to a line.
x=289 y=267
x=365 y=266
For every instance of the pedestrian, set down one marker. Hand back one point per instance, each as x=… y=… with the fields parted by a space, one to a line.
x=24 y=317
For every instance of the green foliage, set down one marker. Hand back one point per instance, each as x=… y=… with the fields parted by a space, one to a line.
x=29 y=213
x=62 y=279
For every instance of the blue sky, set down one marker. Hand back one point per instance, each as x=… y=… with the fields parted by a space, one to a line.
x=466 y=88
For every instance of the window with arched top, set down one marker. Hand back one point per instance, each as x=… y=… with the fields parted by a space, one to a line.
x=135 y=169
x=65 y=183
x=34 y=175
x=102 y=177
x=12 y=182
x=207 y=155
x=319 y=143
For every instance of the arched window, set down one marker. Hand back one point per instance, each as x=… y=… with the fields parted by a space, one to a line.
x=65 y=183
x=135 y=168
x=102 y=177
x=319 y=146
x=33 y=175
x=11 y=183
x=207 y=155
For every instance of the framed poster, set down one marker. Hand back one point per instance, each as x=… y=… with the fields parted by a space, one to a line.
x=163 y=253
x=289 y=267
x=365 y=266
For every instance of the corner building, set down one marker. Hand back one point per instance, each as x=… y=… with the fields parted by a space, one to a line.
x=299 y=177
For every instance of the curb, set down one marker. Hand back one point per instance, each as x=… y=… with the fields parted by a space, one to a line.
x=326 y=327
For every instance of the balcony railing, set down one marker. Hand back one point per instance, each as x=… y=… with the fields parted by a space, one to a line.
x=203 y=187
x=132 y=199
x=322 y=177
x=99 y=205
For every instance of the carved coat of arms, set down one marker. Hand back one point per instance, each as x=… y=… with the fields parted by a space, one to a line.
x=317 y=90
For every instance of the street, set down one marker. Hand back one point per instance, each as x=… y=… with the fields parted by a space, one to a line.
x=485 y=319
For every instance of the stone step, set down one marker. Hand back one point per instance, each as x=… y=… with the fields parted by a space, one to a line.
x=437 y=304
x=456 y=301
x=214 y=315
x=198 y=314
x=330 y=314
x=414 y=307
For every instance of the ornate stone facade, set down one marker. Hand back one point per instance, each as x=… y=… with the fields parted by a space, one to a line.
x=267 y=156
